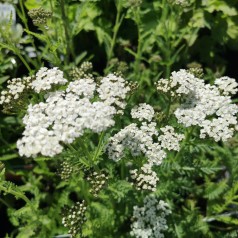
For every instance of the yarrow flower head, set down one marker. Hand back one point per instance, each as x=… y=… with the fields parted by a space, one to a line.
x=47 y=78
x=113 y=90
x=169 y=139
x=84 y=71
x=143 y=112
x=65 y=114
x=96 y=181
x=227 y=86
x=206 y=106
x=16 y=93
x=150 y=221
x=145 y=179
x=141 y=141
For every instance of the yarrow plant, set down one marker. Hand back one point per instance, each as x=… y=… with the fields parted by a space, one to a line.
x=122 y=146
x=80 y=123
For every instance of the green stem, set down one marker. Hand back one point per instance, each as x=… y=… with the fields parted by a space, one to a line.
x=16 y=194
x=168 y=108
x=69 y=50
x=184 y=143
x=99 y=147
x=119 y=19
x=139 y=50
x=85 y=149
x=23 y=61
x=5 y=203
x=24 y=19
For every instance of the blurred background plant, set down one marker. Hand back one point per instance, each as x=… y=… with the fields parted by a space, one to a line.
x=144 y=40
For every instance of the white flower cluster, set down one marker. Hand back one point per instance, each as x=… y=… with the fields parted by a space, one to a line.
x=138 y=140
x=66 y=114
x=82 y=87
x=143 y=112
x=45 y=78
x=146 y=179
x=62 y=118
x=170 y=140
x=149 y=221
x=227 y=85
x=141 y=140
x=15 y=88
x=113 y=91
x=204 y=105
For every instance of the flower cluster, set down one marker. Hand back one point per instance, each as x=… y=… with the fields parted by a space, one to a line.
x=149 y=221
x=227 y=86
x=84 y=71
x=74 y=218
x=146 y=179
x=46 y=78
x=82 y=88
x=66 y=114
x=16 y=92
x=143 y=112
x=204 y=105
x=170 y=139
x=96 y=181
x=139 y=140
x=113 y=91
x=181 y=3
x=142 y=140
x=39 y=16
x=65 y=170
x=15 y=88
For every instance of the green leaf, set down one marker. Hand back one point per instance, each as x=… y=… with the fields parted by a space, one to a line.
x=215 y=190
x=217 y=5
x=8 y=157
x=38 y=36
x=3 y=79
x=31 y=4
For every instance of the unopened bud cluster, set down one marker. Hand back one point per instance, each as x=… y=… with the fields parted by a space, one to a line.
x=39 y=16
x=65 y=170
x=84 y=71
x=74 y=218
x=134 y=3
x=96 y=181
x=119 y=67
x=196 y=71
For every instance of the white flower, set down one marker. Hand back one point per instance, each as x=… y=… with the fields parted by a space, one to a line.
x=203 y=101
x=146 y=179
x=143 y=112
x=138 y=140
x=45 y=78
x=82 y=87
x=149 y=221
x=113 y=91
x=170 y=140
x=15 y=88
x=62 y=118
x=227 y=85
